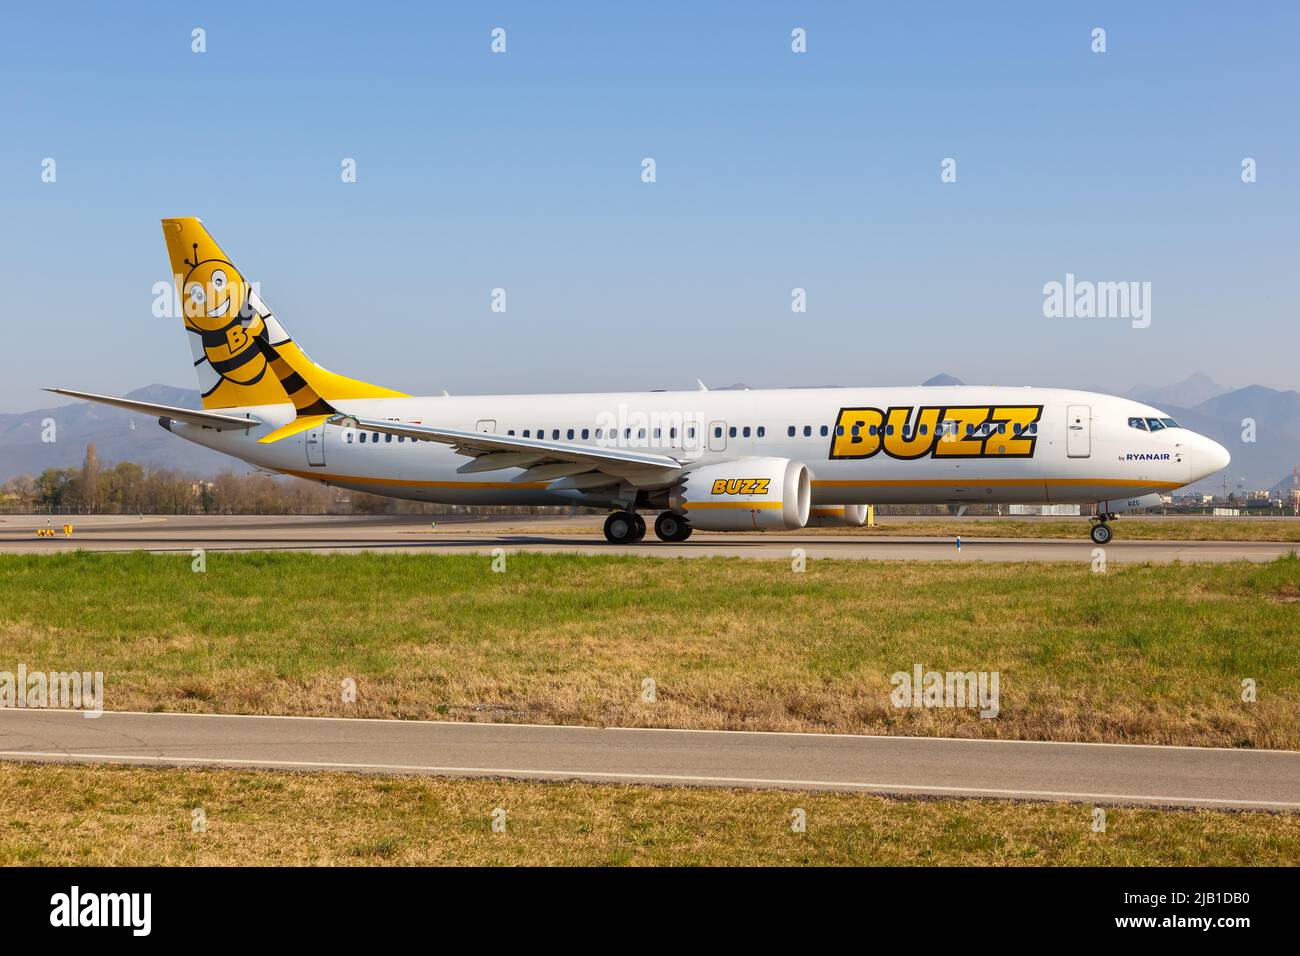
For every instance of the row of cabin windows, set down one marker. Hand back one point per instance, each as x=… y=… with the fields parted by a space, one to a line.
x=600 y=433
x=374 y=437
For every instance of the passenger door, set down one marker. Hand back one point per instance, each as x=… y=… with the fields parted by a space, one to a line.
x=1078 y=431
x=315 y=441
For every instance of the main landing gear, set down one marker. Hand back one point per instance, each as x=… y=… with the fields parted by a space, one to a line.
x=1101 y=533
x=628 y=527
x=672 y=527
x=624 y=527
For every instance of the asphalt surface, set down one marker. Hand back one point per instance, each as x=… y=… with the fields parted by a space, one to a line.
x=465 y=534
x=904 y=766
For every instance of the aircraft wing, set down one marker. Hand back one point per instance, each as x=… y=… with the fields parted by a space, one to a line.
x=188 y=415
x=543 y=460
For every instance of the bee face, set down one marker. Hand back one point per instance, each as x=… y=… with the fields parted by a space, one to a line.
x=213 y=294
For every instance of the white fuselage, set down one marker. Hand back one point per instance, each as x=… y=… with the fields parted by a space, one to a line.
x=1084 y=448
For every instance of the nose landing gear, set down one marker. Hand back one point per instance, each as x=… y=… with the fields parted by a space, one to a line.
x=1101 y=533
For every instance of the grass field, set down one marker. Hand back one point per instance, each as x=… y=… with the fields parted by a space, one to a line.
x=53 y=815
x=1145 y=529
x=1130 y=529
x=1137 y=654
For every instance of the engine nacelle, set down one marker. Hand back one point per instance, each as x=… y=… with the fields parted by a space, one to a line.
x=746 y=494
x=837 y=516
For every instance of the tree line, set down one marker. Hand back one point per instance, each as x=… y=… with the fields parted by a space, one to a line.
x=129 y=488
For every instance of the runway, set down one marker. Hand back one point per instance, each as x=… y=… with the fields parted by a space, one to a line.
x=475 y=535
x=904 y=766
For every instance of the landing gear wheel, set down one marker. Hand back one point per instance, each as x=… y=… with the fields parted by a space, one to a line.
x=639 y=532
x=672 y=527
x=621 y=528
x=1100 y=533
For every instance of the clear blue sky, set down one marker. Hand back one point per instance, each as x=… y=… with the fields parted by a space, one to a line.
x=775 y=170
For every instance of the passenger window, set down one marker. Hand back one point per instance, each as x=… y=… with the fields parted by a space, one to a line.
x=889 y=429
x=924 y=429
x=745 y=431
x=570 y=434
x=762 y=430
x=807 y=431
x=690 y=433
x=401 y=438
x=510 y=431
x=717 y=433
x=672 y=432
x=839 y=430
x=732 y=431
x=790 y=432
x=388 y=437
x=528 y=432
x=826 y=431
x=584 y=434
x=375 y=437
x=363 y=438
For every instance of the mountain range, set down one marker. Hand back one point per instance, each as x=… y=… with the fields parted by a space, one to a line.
x=118 y=436
x=1197 y=403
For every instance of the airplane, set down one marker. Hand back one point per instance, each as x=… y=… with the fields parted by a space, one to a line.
x=729 y=460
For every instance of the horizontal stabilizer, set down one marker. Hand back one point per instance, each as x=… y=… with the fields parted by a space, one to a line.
x=189 y=416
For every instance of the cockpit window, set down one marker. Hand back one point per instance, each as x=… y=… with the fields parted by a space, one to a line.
x=1169 y=423
x=1155 y=424
x=1137 y=423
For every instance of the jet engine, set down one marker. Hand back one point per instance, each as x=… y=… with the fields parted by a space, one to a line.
x=837 y=516
x=746 y=494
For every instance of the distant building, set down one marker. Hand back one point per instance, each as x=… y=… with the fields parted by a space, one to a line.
x=1044 y=510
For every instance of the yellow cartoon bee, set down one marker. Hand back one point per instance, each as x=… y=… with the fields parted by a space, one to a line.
x=216 y=304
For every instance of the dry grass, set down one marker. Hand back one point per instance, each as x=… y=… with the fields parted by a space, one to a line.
x=1139 y=654
x=1132 y=529
x=59 y=815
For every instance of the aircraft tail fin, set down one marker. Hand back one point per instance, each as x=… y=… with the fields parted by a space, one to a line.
x=242 y=354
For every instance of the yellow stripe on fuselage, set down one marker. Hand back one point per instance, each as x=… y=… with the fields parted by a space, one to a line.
x=744 y=505
x=993 y=483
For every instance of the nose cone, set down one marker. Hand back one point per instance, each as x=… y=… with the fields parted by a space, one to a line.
x=1208 y=457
